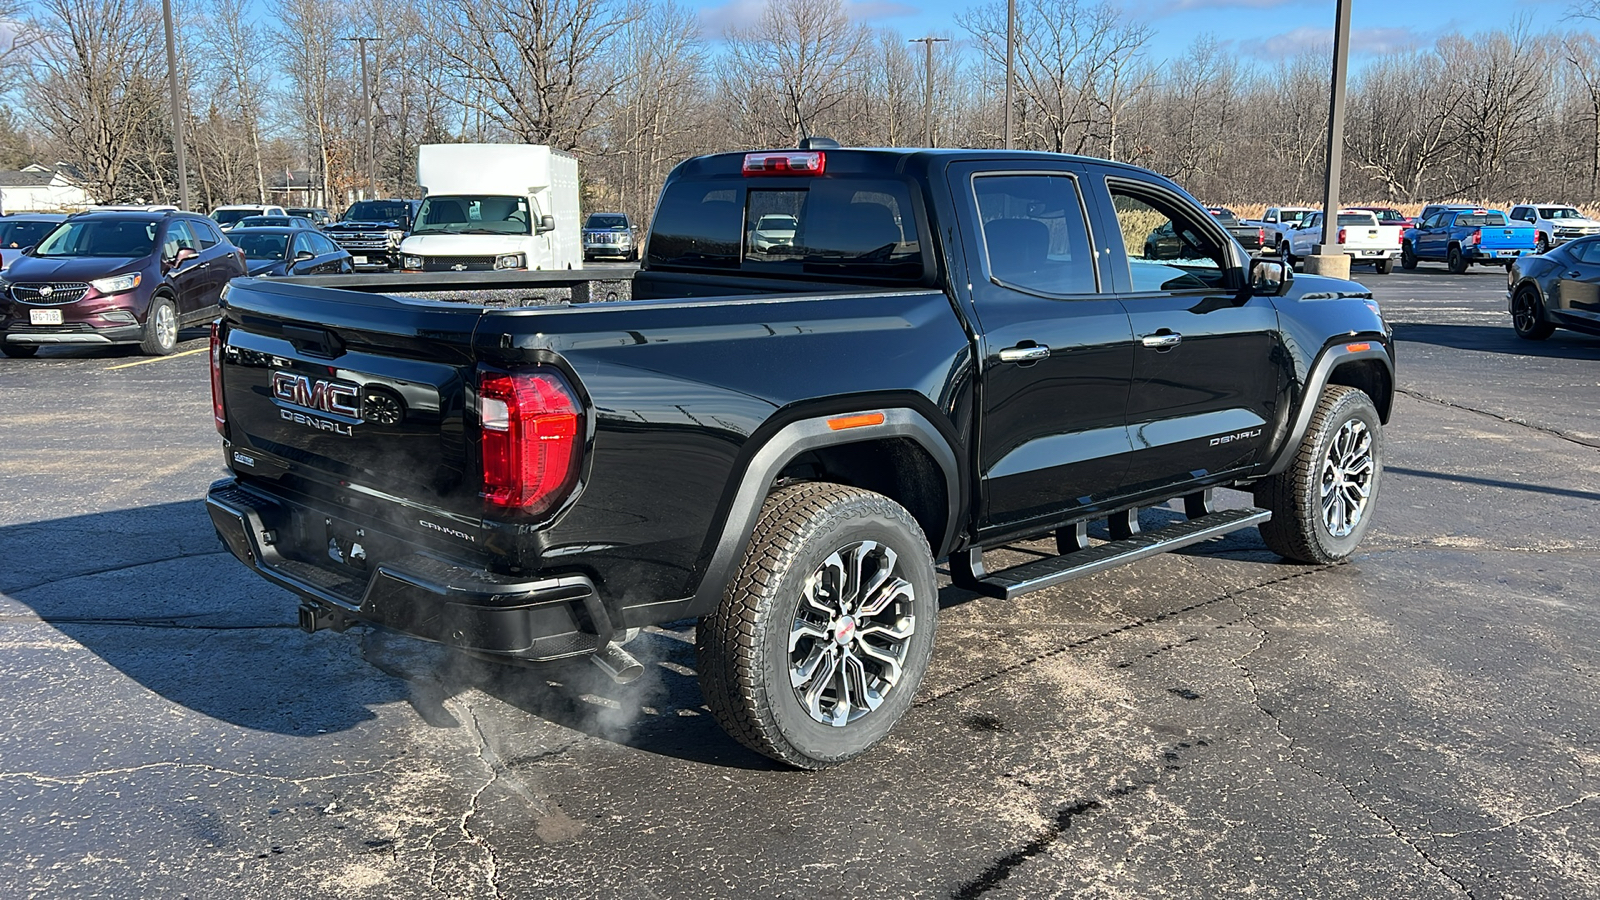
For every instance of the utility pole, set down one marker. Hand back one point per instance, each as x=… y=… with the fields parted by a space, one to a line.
x=1011 y=55
x=1330 y=258
x=366 y=113
x=927 y=97
x=177 y=110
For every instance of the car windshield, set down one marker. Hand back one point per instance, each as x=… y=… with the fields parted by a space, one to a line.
x=1559 y=212
x=474 y=214
x=230 y=216
x=121 y=238
x=23 y=234
x=599 y=221
x=777 y=223
x=378 y=211
x=261 y=244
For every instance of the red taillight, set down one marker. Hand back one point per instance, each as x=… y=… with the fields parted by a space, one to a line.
x=1341 y=237
x=785 y=162
x=1477 y=236
x=531 y=429
x=1261 y=237
x=217 y=412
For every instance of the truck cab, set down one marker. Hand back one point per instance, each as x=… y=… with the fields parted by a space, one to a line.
x=494 y=207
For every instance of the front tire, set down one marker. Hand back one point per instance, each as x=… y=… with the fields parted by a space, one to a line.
x=160 y=328
x=17 y=351
x=826 y=629
x=1322 y=504
x=1541 y=244
x=1527 y=315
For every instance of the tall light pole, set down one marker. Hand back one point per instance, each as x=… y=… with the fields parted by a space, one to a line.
x=1329 y=249
x=927 y=97
x=1011 y=55
x=366 y=113
x=177 y=109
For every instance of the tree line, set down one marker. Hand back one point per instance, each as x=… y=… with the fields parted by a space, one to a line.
x=633 y=87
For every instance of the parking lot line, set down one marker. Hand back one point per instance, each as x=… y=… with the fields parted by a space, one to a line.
x=145 y=362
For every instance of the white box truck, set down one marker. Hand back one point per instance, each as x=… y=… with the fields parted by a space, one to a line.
x=495 y=206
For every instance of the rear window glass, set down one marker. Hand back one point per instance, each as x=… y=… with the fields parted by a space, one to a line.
x=1356 y=219
x=1479 y=221
x=849 y=228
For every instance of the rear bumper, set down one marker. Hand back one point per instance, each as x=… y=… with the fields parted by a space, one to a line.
x=1487 y=254
x=530 y=618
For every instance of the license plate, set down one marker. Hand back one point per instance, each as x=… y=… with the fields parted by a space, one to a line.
x=1505 y=253
x=44 y=316
x=360 y=260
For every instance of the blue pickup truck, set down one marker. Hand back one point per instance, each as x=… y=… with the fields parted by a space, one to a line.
x=1461 y=236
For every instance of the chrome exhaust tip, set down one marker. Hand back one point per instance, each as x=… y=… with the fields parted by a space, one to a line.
x=617 y=663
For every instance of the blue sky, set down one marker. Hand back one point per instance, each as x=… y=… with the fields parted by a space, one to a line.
x=1264 y=30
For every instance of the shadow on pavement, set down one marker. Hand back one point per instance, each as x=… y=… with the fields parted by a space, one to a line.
x=1563 y=344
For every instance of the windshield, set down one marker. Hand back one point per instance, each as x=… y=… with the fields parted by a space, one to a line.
x=474 y=214
x=1294 y=215
x=598 y=221
x=777 y=223
x=379 y=211
x=230 y=216
x=261 y=244
x=100 y=237
x=1559 y=212
x=23 y=234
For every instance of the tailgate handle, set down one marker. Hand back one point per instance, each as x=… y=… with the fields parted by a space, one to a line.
x=314 y=341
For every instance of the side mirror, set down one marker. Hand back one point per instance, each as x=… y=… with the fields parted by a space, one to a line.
x=1270 y=276
x=304 y=255
x=546 y=223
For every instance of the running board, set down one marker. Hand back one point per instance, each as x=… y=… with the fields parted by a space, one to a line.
x=968 y=572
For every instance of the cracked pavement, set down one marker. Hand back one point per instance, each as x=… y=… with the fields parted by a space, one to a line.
x=1419 y=723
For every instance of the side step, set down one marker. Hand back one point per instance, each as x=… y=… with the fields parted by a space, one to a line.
x=968 y=572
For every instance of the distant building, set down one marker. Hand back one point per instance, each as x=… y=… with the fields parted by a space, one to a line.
x=295 y=187
x=39 y=188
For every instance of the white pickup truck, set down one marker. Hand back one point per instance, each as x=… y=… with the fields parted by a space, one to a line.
x=1554 y=223
x=1360 y=237
x=1276 y=223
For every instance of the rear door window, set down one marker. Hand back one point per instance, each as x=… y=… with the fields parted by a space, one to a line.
x=1034 y=235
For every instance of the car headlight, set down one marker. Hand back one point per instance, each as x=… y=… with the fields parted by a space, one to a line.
x=411 y=262
x=509 y=261
x=117 y=284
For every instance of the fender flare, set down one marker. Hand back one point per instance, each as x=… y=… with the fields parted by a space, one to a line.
x=791 y=440
x=1331 y=358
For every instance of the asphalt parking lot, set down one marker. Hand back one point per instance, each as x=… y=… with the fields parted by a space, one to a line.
x=1422 y=722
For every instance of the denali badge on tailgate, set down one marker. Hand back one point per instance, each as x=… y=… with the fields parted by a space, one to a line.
x=334 y=398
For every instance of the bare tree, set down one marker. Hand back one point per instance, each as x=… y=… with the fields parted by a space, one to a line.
x=308 y=44
x=793 y=72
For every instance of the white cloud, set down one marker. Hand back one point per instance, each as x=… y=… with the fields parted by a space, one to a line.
x=1363 y=42
x=716 y=20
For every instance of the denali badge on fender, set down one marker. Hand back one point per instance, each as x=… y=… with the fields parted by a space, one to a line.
x=1230 y=438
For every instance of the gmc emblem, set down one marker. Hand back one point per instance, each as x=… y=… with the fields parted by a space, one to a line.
x=334 y=397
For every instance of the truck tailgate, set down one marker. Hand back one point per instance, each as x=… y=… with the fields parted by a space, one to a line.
x=1506 y=237
x=363 y=391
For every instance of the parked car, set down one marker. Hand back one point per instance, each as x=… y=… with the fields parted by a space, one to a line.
x=116 y=278
x=319 y=217
x=1250 y=237
x=1554 y=223
x=789 y=443
x=20 y=231
x=229 y=216
x=372 y=231
x=1460 y=237
x=1276 y=222
x=1360 y=237
x=1387 y=215
x=298 y=250
x=1556 y=289
x=773 y=232
x=273 y=222
x=610 y=234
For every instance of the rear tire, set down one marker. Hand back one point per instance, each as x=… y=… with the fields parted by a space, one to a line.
x=1408 y=256
x=1456 y=262
x=17 y=351
x=826 y=629
x=1383 y=266
x=160 y=328
x=1527 y=315
x=1322 y=504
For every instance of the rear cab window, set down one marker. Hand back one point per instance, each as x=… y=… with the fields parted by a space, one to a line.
x=839 y=226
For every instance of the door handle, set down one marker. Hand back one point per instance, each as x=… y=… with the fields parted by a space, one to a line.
x=1025 y=354
x=1162 y=341
x=1573 y=274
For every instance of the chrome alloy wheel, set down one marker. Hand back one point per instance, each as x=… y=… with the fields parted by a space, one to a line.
x=166 y=325
x=1347 y=478
x=851 y=633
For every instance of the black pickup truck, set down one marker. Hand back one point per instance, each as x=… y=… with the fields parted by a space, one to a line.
x=956 y=350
